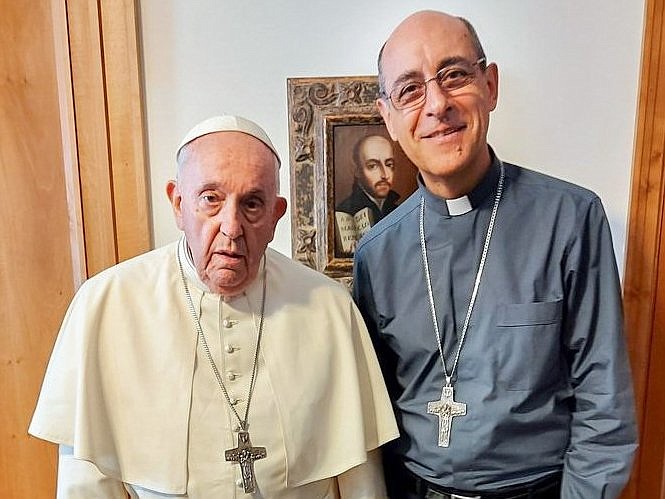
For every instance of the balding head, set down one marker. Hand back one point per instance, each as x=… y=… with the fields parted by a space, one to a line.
x=426 y=19
x=437 y=96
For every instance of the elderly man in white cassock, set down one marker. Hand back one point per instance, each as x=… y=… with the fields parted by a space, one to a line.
x=215 y=367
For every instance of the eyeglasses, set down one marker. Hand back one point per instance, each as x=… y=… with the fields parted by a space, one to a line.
x=412 y=93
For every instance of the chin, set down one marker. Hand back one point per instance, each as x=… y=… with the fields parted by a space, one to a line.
x=223 y=283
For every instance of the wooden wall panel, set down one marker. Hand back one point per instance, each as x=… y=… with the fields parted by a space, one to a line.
x=92 y=134
x=644 y=282
x=36 y=276
x=109 y=128
x=126 y=130
x=71 y=151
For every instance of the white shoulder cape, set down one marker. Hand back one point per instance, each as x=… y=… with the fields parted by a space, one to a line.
x=118 y=385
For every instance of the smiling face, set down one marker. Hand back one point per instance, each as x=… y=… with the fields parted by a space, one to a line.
x=446 y=136
x=376 y=165
x=225 y=200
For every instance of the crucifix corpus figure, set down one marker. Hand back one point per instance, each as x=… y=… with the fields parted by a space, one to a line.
x=446 y=408
x=245 y=455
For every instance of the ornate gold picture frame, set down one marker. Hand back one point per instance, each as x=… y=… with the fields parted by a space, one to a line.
x=326 y=118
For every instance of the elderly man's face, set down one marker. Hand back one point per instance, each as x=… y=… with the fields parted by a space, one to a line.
x=377 y=168
x=225 y=200
x=446 y=136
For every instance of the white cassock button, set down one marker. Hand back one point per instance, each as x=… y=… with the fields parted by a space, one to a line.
x=230 y=376
x=234 y=401
x=239 y=483
x=227 y=323
x=229 y=349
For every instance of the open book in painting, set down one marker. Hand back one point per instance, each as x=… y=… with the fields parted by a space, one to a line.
x=350 y=228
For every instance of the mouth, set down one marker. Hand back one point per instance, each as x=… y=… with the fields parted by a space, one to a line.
x=445 y=132
x=229 y=255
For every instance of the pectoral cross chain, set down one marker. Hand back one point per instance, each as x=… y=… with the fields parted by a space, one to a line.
x=245 y=455
x=446 y=408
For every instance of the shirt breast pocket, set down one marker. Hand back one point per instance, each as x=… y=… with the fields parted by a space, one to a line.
x=528 y=351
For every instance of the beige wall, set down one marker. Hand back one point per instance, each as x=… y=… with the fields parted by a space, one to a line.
x=569 y=73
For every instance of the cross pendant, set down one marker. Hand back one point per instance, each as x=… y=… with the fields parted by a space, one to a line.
x=446 y=408
x=245 y=455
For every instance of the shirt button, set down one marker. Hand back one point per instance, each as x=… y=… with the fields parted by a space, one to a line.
x=234 y=401
x=230 y=376
x=239 y=483
x=227 y=323
x=229 y=349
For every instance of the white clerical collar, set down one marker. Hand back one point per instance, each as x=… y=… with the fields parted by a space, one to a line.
x=479 y=195
x=459 y=206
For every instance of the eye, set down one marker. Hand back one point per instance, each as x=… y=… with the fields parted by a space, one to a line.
x=209 y=198
x=209 y=202
x=454 y=77
x=253 y=206
x=409 y=89
x=390 y=163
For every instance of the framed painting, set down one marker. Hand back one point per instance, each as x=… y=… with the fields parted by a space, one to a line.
x=346 y=172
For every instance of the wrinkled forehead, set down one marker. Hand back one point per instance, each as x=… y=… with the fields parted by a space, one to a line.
x=423 y=43
x=228 y=155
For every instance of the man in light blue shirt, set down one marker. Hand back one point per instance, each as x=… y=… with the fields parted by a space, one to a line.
x=498 y=324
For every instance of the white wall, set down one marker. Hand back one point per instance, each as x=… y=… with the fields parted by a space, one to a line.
x=568 y=86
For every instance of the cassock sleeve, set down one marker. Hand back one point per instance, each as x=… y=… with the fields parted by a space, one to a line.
x=603 y=437
x=79 y=479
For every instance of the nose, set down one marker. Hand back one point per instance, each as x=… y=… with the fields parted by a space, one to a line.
x=229 y=220
x=437 y=100
x=383 y=170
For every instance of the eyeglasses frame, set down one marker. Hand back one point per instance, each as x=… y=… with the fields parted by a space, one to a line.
x=421 y=101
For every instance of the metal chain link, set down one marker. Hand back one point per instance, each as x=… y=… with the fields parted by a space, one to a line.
x=199 y=329
x=474 y=293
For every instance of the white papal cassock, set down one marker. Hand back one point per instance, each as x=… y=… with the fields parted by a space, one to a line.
x=131 y=398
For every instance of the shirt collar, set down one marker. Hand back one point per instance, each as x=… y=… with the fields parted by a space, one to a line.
x=468 y=202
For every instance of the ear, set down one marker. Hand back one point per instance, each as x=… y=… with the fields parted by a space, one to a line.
x=384 y=109
x=175 y=197
x=278 y=212
x=492 y=83
x=279 y=209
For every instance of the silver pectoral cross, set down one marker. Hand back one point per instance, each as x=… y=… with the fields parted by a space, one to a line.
x=446 y=408
x=245 y=455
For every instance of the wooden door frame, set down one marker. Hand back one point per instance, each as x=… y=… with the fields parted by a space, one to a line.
x=103 y=132
x=644 y=280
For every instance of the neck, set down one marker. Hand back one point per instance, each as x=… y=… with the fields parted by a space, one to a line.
x=457 y=184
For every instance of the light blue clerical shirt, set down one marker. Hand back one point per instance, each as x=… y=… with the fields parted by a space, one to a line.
x=543 y=369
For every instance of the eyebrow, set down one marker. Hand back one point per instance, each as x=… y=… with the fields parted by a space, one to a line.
x=255 y=192
x=404 y=77
x=208 y=186
x=449 y=61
